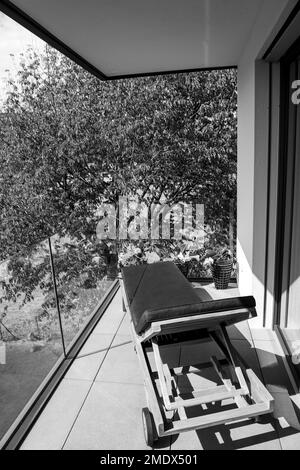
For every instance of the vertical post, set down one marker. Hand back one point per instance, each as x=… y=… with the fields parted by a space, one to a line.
x=231 y=231
x=56 y=297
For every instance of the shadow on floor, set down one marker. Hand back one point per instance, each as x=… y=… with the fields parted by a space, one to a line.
x=220 y=437
x=248 y=433
x=97 y=351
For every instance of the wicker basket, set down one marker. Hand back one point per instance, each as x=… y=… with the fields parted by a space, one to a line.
x=221 y=273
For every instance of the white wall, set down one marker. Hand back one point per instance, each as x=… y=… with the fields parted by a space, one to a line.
x=253 y=113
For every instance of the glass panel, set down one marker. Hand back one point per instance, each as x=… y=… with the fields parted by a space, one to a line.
x=291 y=328
x=30 y=341
x=84 y=271
x=289 y=315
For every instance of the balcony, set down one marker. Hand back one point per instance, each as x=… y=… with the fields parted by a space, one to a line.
x=96 y=391
x=97 y=405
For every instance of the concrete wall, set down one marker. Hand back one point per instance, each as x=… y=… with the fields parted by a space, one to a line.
x=253 y=145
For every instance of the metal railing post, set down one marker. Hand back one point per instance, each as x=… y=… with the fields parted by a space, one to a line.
x=56 y=297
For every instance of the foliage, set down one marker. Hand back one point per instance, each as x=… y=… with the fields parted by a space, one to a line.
x=69 y=142
x=135 y=254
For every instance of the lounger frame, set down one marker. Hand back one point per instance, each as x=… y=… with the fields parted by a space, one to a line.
x=250 y=396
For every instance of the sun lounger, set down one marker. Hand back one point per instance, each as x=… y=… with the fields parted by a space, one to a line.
x=166 y=310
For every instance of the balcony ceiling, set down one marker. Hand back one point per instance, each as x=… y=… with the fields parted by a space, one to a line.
x=127 y=37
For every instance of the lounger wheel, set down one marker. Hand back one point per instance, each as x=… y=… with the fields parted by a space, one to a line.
x=149 y=427
x=261 y=419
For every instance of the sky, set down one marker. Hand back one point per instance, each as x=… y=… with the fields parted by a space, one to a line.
x=14 y=39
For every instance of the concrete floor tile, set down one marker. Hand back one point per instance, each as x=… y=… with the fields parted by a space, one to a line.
x=296 y=400
x=112 y=318
x=239 y=435
x=271 y=363
x=170 y=355
x=89 y=359
x=198 y=353
x=262 y=334
x=121 y=363
x=111 y=418
x=289 y=438
x=287 y=421
x=54 y=424
x=240 y=330
x=270 y=346
x=213 y=293
x=248 y=353
x=221 y=438
x=124 y=328
x=200 y=379
x=186 y=441
x=248 y=435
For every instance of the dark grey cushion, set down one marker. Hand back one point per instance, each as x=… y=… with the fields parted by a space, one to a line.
x=159 y=291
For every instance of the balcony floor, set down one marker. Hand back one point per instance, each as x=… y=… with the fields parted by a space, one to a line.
x=98 y=403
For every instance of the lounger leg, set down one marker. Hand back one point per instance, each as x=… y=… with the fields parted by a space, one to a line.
x=238 y=367
x=256 y=391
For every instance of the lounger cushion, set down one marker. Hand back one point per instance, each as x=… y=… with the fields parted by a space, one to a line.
x=159 y=291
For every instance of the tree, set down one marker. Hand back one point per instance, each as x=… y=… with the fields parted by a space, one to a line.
x=69 y=142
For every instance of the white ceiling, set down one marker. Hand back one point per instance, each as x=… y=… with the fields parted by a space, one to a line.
x=121 y=37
